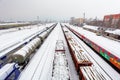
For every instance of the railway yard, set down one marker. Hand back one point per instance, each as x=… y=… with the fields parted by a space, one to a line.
x=57 y=51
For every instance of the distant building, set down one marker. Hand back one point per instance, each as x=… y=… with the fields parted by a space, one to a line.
x=95 y=22
x=112 y=21
x=77 y=21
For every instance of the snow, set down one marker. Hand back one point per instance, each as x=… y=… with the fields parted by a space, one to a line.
x=90 y=73
x=110 y=45
x=60 y=64
x=116 y=31
x=8 y=30
x=9 y=41
x=41 y=65
x=25 y=51
x=97 y=61
x=91 y=27
x=60 y=69
x=60 y=45
x=4 y=31
x=78 y=51
x=6 y=70
x=10 y=23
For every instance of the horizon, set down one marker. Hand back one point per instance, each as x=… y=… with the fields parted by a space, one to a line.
x=56 y=10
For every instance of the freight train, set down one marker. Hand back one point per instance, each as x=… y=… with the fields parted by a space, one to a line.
x=20 y=58
x=60 y=65
x=82 y=62
x=22 y=55
x=108 y=56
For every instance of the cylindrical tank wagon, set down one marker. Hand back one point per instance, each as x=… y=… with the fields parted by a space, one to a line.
x=43 y=36
x=10 y=70
x=21 y=55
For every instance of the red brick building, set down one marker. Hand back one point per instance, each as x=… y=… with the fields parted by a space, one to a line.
x=112 y=21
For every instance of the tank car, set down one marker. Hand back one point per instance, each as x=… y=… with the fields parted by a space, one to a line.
x=21 y=55
x=43 y=35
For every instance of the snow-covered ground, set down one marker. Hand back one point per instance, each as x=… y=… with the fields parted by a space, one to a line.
x=91 y=27
x=9 y=40
x=11 y=23
x=116 y=31
x=110 y=45
x=4 y=31
x=6 y=70
x=15 y=37
x=8 y=30
x=60 y=68
x=97 y=61
x=41 y=65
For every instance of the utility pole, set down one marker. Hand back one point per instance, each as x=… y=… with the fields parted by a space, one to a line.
x=84 y=17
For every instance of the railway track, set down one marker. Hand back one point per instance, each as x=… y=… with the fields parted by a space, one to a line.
x=102 y=64
x=11 y=41
x=19 y=44
x=42 y=61
x=23 y=56
x=79 y=42
x=12 y=48
x=101 y=45
x=5 y=52
x=41 y=65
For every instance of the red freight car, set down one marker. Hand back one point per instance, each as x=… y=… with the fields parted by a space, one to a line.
x=90 y=73
x=104 y=53
x=83 y=65
x=79 y=58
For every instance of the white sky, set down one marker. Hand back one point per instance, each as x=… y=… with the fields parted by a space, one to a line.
x=56 y=9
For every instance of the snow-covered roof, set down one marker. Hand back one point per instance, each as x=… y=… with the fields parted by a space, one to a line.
x=10 y=39
x=60 y=70
x=90 y=73
x=110 y=45
x=97 y=61
x=40 y=66
x=116 y=31
x=91 y=27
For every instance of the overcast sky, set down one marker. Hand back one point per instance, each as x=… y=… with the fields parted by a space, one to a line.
x=56 y=9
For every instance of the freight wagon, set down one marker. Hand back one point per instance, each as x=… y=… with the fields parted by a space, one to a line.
x=23 y=54
x=60 y=65
x=79 y=58
x=114 y=60
x=18 y=60
x=83 y=64
x=90 y=73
